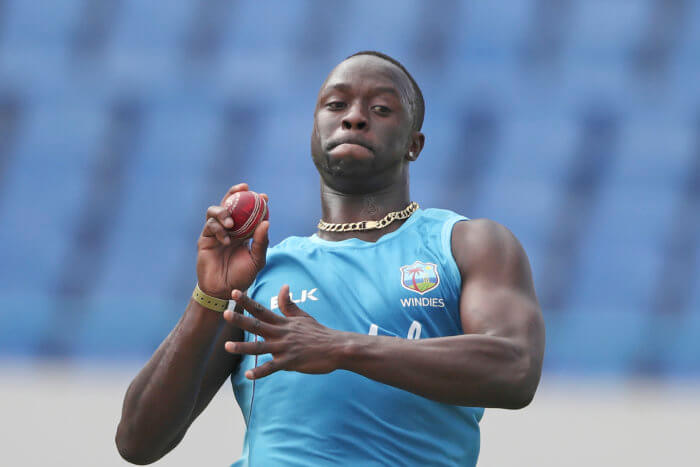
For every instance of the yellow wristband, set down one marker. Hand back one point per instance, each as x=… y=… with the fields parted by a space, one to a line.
x=207 y=301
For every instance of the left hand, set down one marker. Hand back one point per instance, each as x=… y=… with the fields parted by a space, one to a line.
x=296 y=340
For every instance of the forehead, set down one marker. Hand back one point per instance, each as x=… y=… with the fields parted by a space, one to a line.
x=368 y=71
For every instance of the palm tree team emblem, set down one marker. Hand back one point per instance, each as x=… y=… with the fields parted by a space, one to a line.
x=420 y=277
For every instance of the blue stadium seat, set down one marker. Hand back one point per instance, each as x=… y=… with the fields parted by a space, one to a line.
x=162 y=194
x=605 y=31
x=44 y=192
x=601 y=341
x=27 y=30
x=151 y=30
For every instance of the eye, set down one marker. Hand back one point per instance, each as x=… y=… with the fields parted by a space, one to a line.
x=335 y=105
x=381 y=109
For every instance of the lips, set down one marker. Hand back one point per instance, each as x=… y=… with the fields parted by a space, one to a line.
x=357 y=141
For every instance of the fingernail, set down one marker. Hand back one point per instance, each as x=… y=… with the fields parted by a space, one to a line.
x=249 y=374
x=236 y=294
x=228 y=222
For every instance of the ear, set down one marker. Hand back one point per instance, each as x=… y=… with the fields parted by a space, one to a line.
x=416 y=146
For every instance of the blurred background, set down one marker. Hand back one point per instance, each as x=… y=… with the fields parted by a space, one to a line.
x=575 y=123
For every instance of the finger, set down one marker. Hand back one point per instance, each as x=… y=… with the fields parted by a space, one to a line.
x=255 y=308
x=263 y=370
x=236 y=309
x=234 y=189
x=221 y=214
x=265 y=197
x=252 y=325
x=258 y=249
x=212 y=228
x=287 y=306
x=251 y=348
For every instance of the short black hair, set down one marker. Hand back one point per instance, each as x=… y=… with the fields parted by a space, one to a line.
x=416 y=101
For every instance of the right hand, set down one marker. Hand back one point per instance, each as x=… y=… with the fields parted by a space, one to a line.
x=223 y=262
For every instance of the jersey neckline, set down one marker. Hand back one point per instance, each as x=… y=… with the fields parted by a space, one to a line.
x=356 y=242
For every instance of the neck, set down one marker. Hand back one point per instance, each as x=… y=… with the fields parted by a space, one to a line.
x=339 y=208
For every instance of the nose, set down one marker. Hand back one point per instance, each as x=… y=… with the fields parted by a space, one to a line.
x=355 y=118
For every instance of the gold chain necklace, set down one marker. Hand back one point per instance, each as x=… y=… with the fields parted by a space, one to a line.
x=369 y=225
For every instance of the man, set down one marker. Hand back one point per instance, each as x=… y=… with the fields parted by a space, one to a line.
x=316 y=365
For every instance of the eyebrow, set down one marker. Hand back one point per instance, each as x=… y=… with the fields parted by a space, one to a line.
x=387 y=90
x=378 y=90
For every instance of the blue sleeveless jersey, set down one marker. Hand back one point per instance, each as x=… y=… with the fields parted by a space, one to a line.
x=405 y=285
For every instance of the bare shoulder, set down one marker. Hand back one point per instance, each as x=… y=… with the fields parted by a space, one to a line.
x=485 y=248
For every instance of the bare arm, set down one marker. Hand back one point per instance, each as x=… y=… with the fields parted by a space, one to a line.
x=189 y=367
x=176 y=385
x=496 y=363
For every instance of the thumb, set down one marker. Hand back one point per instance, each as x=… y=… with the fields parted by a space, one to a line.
x=258 y=249
x=287 y=306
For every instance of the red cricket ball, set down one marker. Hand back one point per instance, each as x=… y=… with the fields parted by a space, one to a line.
x=248 y=209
